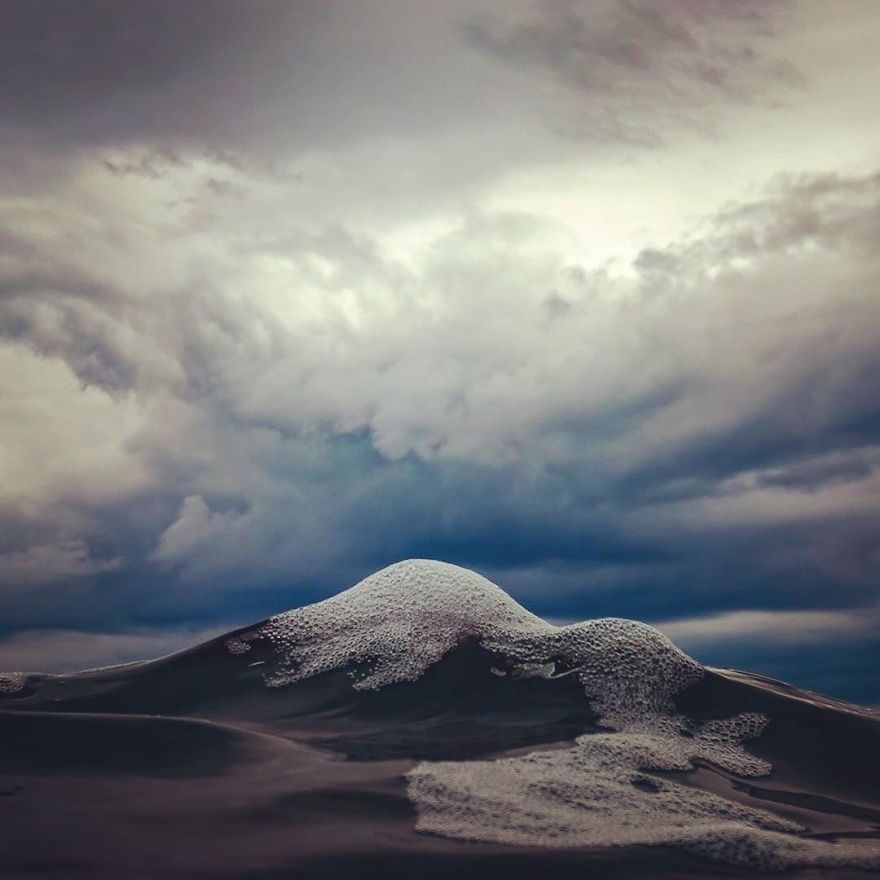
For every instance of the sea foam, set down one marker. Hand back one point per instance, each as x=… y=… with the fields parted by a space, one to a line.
x=395 y=624
x=601 y=793
x=12 y=682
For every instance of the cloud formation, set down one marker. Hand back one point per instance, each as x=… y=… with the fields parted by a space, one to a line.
x=273 y=315
x=51 y=563
x=636 y=68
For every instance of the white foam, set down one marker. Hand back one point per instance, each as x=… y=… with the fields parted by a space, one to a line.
x=392 y=626
x=12 y=682
x=399 y=621
x=598 y=793
x=236 y=645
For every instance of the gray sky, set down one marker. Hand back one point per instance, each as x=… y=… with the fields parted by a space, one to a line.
x=580 y=294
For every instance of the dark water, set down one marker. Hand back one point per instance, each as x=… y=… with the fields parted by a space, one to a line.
x=190 y=766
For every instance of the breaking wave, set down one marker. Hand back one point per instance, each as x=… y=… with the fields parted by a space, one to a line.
x=602 y=790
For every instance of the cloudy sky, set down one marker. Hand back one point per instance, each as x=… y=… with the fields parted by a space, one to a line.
x=582 y=295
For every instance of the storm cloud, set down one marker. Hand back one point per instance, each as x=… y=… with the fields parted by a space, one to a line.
x=581 y=295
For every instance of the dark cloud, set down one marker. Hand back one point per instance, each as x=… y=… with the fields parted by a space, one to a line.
x=791 y=645
x=465 y=431
x=50 y=564
x=802 y=211
x=102 y=70
x=274 y=314
x=636 y=67
x=811 y=476
x=265 y=78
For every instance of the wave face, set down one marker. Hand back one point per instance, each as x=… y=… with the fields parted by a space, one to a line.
x=479 y=722
x=395 y=624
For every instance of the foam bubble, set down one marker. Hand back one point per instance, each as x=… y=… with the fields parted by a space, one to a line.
x=237 y=646
x=597 y=793
x=600 y=793
x=395 y=624
x=12 y=682
x=399 y=621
